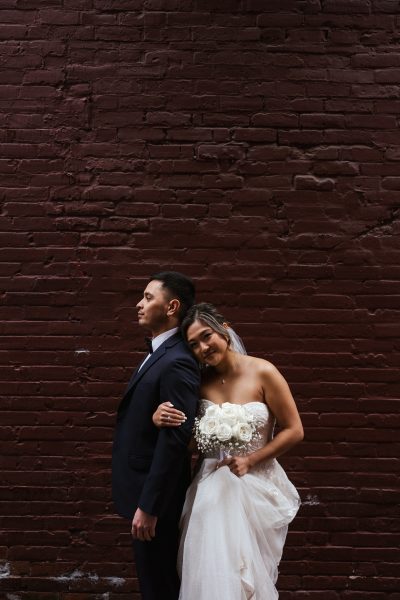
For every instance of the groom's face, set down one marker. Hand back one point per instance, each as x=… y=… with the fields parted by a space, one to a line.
x=153 y=307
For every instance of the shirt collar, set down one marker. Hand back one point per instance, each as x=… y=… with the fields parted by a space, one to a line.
x=160 y=339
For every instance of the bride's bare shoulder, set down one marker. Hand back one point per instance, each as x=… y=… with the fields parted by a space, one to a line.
x=261 y=366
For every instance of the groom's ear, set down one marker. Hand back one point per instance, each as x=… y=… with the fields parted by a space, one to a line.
x=173 y=308
x=226 y=325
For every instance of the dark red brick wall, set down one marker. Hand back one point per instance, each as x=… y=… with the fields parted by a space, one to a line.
x=254 y=145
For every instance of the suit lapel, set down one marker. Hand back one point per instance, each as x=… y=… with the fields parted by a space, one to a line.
x=138 y=374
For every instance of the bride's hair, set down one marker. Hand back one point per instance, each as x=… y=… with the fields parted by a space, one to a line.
x=207 y=314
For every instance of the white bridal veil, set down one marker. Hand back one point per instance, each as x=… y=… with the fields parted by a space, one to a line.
x=236 y=342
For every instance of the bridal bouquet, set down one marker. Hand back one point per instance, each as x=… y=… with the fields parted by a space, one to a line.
x=226 y=427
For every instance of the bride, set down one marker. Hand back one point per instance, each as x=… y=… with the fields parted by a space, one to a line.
x=238 y=507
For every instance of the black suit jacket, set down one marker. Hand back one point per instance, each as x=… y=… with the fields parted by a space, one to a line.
x=151 y=468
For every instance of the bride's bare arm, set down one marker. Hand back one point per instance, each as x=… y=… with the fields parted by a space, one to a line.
x=282 y=405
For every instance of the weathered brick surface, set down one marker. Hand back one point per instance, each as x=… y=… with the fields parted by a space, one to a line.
x=253 y=144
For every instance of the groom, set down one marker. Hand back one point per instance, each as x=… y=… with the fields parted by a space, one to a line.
x=151 y=468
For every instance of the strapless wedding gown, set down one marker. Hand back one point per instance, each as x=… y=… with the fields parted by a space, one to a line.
x=234 y=528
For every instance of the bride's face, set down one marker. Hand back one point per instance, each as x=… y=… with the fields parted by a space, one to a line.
x=208 y=346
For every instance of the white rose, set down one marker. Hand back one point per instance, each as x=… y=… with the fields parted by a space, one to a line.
x=208 y=425
x=243 y=432
x=223 y=432
x=243 y=414
x=230 y=413
x=213 y=411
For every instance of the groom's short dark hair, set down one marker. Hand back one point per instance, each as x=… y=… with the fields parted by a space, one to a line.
x=179 y=286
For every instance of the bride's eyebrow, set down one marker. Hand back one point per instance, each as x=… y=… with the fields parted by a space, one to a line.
x=194 y=340
x=205 y=332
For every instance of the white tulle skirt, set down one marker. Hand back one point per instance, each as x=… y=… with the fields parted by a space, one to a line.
x=233 y=533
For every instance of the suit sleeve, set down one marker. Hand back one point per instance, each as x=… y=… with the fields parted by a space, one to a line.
x=180 y=384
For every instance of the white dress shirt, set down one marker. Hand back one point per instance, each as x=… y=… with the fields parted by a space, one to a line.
x=158 y=340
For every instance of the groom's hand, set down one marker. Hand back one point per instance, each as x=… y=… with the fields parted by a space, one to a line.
x=143 y=526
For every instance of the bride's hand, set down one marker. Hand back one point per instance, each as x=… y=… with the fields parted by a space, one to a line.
x=238 y=465
x=168 y=416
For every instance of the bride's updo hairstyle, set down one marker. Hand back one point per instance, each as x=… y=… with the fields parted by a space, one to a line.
x=207 y=314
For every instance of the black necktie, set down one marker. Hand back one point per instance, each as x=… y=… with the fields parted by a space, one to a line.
x=149 y=345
